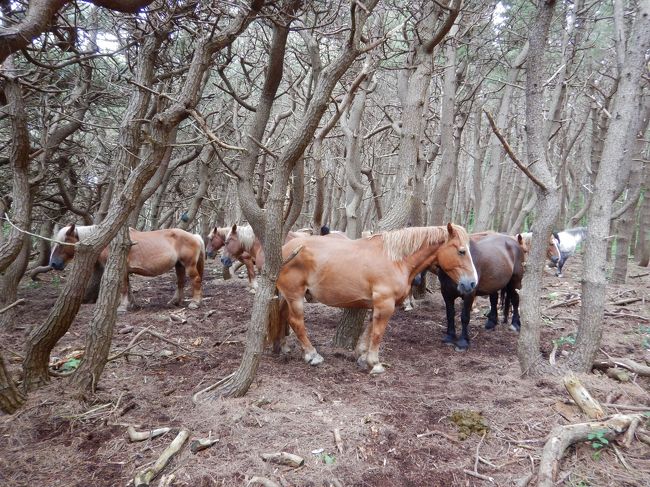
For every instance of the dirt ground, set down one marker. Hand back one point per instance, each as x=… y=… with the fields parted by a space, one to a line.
x=57 y=441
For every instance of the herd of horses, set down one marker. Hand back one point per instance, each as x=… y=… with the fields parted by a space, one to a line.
x=374 y=272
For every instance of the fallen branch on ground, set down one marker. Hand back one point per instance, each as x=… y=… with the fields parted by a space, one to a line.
x=145 y=477
x=438 y=433
x=338 y=440
x=263 y=481
x=284 y=458
x=583 y=399
x=145 y=435
x=564 y=436
x=568 y=302
x=625 y=301
x=15 y=303
x=202 y=444
x=625 y=363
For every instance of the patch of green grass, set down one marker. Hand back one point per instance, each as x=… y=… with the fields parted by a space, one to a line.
x=565 y=340
x=598 y=442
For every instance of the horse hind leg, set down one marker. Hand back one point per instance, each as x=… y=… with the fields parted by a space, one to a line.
x=177 y=300
x=363 y=343
x=297 y=323
x=197 y=291
x=514 y=298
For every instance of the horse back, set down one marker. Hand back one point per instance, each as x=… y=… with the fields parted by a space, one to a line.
x=498 y=259
x=158 y=251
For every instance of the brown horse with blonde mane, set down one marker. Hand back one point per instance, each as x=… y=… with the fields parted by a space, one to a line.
x=374 y=273
x=152 y=254
x=217 y=239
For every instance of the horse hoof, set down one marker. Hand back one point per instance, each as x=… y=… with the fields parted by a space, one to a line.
x=515 y=327
x=313 y=358
x=193 y=305
x=121 y=309
x=490 y=325
x=377 y=369
x=361 y=362
x=462 y=346
x=408 y=308
x=449 y=340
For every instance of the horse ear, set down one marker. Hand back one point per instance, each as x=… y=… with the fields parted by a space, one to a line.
x=71 y=231
x=450 y=229
x=520 y=239
x=234 y=228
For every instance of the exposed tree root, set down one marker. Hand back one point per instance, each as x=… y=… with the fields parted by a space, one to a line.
x=625 y=363
x=564 y=436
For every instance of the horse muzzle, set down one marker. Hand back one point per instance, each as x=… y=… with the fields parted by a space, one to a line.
x=57 y=265
x=466 y=285
x=554 y=259
x=211 y=254
x=226 y=261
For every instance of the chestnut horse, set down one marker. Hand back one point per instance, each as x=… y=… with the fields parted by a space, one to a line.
x=242 y=239
x=552 y=248
x=499 y=261
x=152 y=254
x=217 y=239
x=374 y=273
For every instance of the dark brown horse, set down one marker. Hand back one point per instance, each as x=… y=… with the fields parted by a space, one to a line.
x=374 y=273
x=499 y=261
x=152 y=254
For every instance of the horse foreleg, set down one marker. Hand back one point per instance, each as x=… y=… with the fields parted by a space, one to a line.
x=197 y=290
x=381 y=313
x=493 y=315
x=250 y=270
x=297 y=323
x=463 y=343
x=177 y=300
x=450 y=308
x=514 y=298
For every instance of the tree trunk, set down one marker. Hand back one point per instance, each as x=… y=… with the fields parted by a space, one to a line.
x=643 y=246
x=10 y=397
x=100 y=332
x=10 y=280
x=486 y=206
x=548 y=197
x=594 y=275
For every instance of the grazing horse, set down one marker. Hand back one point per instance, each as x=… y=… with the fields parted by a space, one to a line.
x=217 y=239
x=152 y=254
x=242 y=239
x=552 y=249
x=374 y=273
x=568 y=240
x=499 y=261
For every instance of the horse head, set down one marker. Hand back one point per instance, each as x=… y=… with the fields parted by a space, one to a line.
x=232 y=248
x=455 y=259
x=216 y=240
x=62 y=254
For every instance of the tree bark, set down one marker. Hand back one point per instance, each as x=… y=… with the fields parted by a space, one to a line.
x=548 y=197
x=10 y=280
x=11 y=399
x=100 y=333
x=594 y=275
x=486 y=208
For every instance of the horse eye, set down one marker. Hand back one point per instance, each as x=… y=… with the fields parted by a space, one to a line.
x=461 y=252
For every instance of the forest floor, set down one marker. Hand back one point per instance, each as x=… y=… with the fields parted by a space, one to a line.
x=56 y=440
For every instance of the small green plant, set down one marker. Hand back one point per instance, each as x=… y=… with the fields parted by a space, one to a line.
x=33 y=285
x=598 y=442
x=328 y=459
x=644 y=331
x=56 y=281
x=567 y=340
x=553 y=296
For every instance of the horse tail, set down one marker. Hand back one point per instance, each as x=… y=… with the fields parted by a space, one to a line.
x=200 y=261
x=277 y=321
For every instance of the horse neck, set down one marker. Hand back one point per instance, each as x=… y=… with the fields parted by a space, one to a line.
x=421 y=259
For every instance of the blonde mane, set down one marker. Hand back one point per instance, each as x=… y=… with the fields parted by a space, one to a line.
x=221 y=231
x=527 y=238
x=246 y=236
x=399 y=244
x=82 y=232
